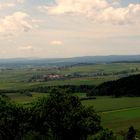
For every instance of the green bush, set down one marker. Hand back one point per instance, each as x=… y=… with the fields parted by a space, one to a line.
x=104 y=134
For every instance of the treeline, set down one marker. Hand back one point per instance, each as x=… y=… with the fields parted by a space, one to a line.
x=128 y=86
x=72 y=88
x=46 y=89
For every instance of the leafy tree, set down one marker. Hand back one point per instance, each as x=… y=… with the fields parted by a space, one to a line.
x=131 y=134
x=61 y=116
x=65 y=117
x=104 y=134
x=12 y=120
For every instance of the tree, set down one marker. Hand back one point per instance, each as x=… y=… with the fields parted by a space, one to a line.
x=60 y=116
x=13 y=119
x=131 y=134
x=65 y=117
x=104 y=134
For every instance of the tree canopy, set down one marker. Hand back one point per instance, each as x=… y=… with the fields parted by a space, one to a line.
x=61 y=116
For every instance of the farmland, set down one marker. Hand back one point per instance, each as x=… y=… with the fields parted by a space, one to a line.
x=91 y=74
x=116 y=113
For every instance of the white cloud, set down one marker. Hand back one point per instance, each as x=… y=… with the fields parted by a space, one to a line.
x=20 y=1
x=56 y=42
x=75 y=6
x=15 y=23
x=26 y=47
x=126 y=15
x=115 y=2
x=98 y=10
x=6 y=5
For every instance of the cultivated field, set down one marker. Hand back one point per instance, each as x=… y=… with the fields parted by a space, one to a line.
x=116 y=113
x=91 y=74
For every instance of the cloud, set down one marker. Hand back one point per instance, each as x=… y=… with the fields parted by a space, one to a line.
x=6 y=5
x=15 y=23
x=115 y=2
x=97 y=10
x=56 y=42
x=74 y=6
x=126 y=15
x=27 y=47
x=20 y=1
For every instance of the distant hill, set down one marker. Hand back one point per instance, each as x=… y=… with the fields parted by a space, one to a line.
x=128 y=86
x=67 y=61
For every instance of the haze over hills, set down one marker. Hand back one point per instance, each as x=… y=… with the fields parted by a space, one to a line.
x=67 y=61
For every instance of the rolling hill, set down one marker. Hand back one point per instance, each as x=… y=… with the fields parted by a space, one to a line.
x=18 y=62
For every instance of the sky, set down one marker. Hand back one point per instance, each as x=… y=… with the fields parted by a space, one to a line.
x=69 y=28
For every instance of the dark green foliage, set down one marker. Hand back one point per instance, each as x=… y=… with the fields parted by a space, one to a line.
x=131 y=134
x=104 y=134
x=12 y=120
x=5 y=96
x=87 y=98
x=33 y=135
x=59 y=117
x=27 y=93
x=46 y=89
x=65 y=116
x=73 y=88
x=128 y=86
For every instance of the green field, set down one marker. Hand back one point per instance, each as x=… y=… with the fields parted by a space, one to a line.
x=117 y=113
x=107 y=68
x=104 y=103
x=93 y=74
x=72 y=81
x=118 y=120
x=23 y=99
